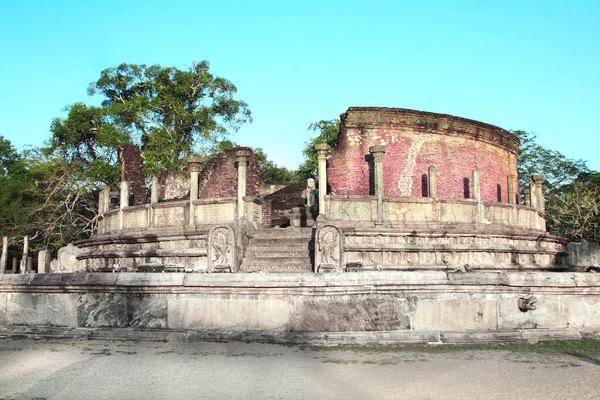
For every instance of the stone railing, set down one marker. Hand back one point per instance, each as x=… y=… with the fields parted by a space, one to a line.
x=176 y=214
x=364 y=211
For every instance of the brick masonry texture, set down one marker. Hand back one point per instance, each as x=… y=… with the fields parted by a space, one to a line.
x=414 y=141
x=131 y=171
x=219 y=176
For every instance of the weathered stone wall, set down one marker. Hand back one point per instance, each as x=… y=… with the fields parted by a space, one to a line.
x=219 y=176
x=173 y=186
x=441 y=302
x=131 y=171
x=416 y=140
x=584 y=254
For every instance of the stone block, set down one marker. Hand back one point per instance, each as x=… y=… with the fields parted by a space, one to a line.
x=550 y=312
x=53 y=309
x=122 y=310
x=3 y=301
x=583 y=311
x=67 y=259
x=461 y=314
x=150 y=279
x=351 y=313
x=233 y=313
x=536 y=279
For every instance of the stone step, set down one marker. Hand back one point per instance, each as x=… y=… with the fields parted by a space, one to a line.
x=278 y=246
x=276 y=253
x=275 y=260
x=300 y=267
x=280 y=242
x=281 y=233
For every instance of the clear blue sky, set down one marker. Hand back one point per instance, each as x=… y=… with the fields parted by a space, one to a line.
x=530 y=65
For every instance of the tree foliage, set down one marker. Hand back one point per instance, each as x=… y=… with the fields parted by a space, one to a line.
x=534 y=159
x=328 y=132
x=45 y=198
x=170 y=113
x=571 y=189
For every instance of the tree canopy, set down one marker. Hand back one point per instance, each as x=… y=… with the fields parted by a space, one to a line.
x=328 y=131
x=170 y=113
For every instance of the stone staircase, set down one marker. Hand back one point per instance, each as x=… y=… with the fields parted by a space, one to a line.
x=279 y=250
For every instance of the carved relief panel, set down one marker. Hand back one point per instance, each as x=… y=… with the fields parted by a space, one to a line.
x=328 y=249
x=221 y=249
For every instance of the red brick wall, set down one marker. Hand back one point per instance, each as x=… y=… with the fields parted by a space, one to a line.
x=219 y=176
x=131 y=171
x=414 y=141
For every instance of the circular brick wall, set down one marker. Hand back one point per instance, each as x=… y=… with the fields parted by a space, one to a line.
x=414 y=141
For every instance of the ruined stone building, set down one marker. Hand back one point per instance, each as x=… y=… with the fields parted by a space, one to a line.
x=403 y=190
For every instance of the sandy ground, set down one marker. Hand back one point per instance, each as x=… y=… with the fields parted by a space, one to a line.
x=81 y=369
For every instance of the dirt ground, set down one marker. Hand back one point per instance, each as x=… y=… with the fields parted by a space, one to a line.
x=84 y=369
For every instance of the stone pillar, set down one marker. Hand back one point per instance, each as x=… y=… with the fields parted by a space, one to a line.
x=476 y=186
x=4 y=258
x=154 y=190
x=378 y=152
x=512 y=198
x=194 y=163
x=322 y=150
x=533 y=195
x=432 y=181
x=527 y=194
x=104 y=200
x=241 y=157
x=44 y=259
x=124 y=202
x=25 y=254
x=539 y=192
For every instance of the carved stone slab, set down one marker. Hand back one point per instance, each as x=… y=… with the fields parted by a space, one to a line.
x=221 y=249
x=328 y=249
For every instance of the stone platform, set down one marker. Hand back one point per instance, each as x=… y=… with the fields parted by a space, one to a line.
x=472 y=306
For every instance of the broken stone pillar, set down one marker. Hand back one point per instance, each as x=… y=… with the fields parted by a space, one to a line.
x=476 y=186
x=527 y=194
x=154 y=190
x=241 y=158
x=194 y=163
x=4 y=258
x=104 y=199
x=44 y=259
x=378 y=152
x=322 y=150
x=539 y=186
x=533 y=195
x=124 y=202
x=25 y=254
x=432 y=181
x=512 y=198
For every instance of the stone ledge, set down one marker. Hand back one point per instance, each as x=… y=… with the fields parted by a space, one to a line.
x=573 y=282
x=323 y=339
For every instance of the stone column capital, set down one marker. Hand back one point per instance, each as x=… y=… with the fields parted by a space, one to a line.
x=538 y=179
x=377 y=151
x=241 y=156
x=194 y=163
x=322 y=149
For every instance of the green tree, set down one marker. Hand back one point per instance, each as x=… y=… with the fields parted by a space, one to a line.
x=169 y=112
x=328 y=132
x=573 y=211
x=534 y=159
x=270 y=173
x=273 y=174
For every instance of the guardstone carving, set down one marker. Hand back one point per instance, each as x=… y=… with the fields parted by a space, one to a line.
x=221 y=249
x=328 y=249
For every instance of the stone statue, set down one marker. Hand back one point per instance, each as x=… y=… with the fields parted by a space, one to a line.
x=311 y=195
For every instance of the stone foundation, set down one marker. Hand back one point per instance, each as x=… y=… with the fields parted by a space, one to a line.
x=393 y=303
